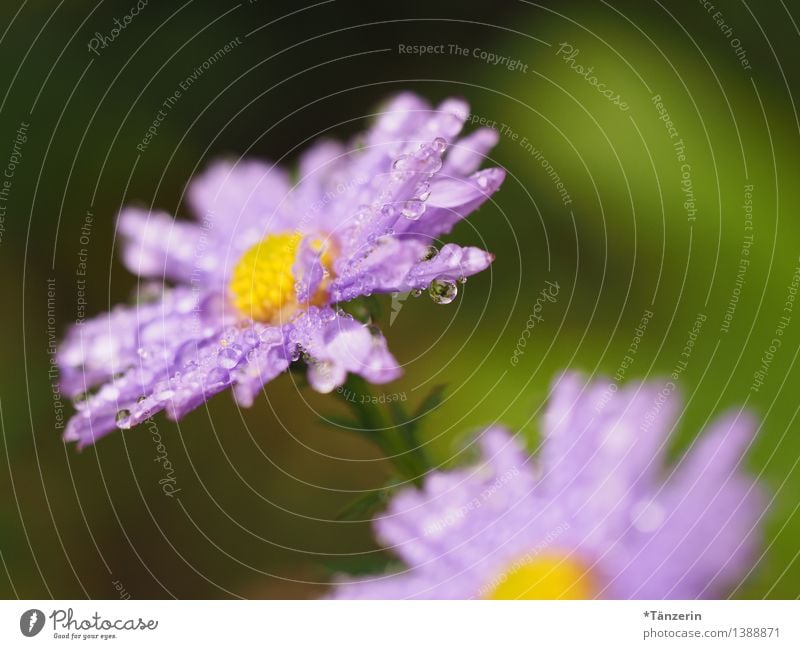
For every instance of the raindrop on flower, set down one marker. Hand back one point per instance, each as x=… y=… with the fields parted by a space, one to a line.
x=416 y=292
x=217 y=376
x=123 y=418
x=430 y=253
x=325 y=380
x=229 y=356
x=439 y=144
x=403 y=163
x=250 y=337
x=413 y=209
x=443 y=291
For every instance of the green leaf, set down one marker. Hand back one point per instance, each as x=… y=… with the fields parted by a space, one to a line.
x=377 y=562
x=432 y=401
x=363 y=507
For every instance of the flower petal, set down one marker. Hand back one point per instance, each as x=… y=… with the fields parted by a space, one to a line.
x=340 y=344
x=155 y=245
x=467 y=154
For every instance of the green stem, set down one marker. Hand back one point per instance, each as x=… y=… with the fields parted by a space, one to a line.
x=396 y=441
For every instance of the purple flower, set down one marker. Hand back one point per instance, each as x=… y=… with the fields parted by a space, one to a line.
x=256 y=279
x=596 y=515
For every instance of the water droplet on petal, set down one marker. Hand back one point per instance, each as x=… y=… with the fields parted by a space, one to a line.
x=439 y=144
x=271 y=336
x=163 y=391
x=217 y=377
x=430 y=253
x=443 y=291
x=413 y=209
x=123 y=418
x=324 y=378
x=296 y=353
x=403 y=163
x=228 y=357
x=250 y=338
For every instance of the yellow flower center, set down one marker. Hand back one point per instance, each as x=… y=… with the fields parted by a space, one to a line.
x=263 y=284
x=545 y=577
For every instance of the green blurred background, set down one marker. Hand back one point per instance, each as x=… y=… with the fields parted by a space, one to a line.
x=261 y=488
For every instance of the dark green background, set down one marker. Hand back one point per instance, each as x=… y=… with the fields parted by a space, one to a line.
x=261 y=487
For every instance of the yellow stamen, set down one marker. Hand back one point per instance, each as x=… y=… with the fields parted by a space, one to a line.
x=545 y=577
x=263 y=284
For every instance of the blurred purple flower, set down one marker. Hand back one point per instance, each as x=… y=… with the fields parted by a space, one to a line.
x=258 y=276
x=593 y=518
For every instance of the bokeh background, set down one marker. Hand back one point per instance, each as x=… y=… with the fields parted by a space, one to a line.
x=262 y=489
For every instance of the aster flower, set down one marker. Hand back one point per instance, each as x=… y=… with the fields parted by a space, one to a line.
x=595 y=516
x=257 y=279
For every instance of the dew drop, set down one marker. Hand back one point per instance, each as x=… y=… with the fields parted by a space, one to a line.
x=228 y=357
x=416 y=292
x=250 y=338
x=430 y=253
x=443 y=291
x=403 y=163
x=216 y=377
x=123 y=418
x=324 y=378
x=439 y=144
x=413 y=209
